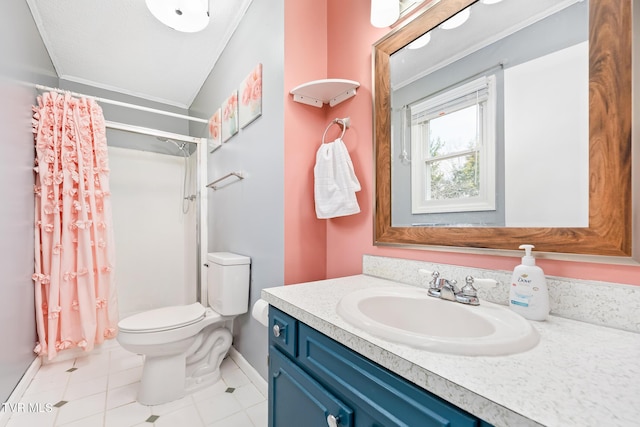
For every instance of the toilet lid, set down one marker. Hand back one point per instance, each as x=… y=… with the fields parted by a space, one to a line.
x=162 y=319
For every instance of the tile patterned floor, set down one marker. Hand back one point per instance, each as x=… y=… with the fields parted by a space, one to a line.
x=99 y=391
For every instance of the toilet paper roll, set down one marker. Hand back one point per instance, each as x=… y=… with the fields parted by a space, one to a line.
x=260 y=312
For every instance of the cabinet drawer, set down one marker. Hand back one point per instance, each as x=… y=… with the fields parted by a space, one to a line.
x=283 y=331
x=362 y=384
x=296 y=399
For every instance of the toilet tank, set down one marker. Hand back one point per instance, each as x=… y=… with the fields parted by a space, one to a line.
x=228 y=283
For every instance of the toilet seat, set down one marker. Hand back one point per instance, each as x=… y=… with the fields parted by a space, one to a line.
x=163 y=319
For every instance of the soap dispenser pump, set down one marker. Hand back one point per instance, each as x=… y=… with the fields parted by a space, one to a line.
x=528 y=295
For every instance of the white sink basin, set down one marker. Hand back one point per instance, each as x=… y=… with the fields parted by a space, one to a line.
x=407 y=315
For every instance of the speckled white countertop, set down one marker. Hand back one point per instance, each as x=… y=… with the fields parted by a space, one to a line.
x=578 y=375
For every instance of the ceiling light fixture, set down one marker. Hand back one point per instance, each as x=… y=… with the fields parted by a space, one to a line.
x=384 y=12
x=456 y=20
x=421 y=41
x=188 y=16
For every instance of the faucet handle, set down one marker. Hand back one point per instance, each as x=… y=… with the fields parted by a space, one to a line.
x=434 y=277
x=468 y=289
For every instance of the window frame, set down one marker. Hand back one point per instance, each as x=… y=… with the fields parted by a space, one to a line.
x=453 y=100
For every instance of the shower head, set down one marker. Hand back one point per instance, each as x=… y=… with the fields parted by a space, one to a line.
x=180 y=146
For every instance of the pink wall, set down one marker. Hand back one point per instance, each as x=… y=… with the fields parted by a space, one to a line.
x=349 y=40
x=305 y=48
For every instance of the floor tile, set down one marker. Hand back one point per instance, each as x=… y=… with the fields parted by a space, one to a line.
x=116 y=352
x=248 y=395
x=239 y=419
x=81 y=408
x=108 y=344
x=96 y=420
x=101 y=359
x=128 y=376
x=127 y=415
x=166 y=408
x=31 y=419
x=53 y=368
x=122 y=395
x=210 y=392
x=235 y=378
x=228 y=365
x=219 y=407
x=48 y=383
x=77 y=390
x=101 y=388
x=32 y=395
x=187 y=416
x=86 y=372
x=123 y=362
x=259 y=414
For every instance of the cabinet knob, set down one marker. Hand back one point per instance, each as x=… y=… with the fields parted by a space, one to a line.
x=332 y=421
x=276 y=330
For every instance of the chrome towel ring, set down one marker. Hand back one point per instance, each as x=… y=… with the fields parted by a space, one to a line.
x=344 y=123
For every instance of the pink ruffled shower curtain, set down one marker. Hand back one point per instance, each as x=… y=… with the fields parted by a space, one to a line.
x=75 y=296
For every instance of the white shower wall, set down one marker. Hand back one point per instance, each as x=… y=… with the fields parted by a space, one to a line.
x=155 y=242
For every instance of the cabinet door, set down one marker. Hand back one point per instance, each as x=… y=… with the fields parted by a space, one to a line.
x=283 y=332
x=295 y=399
x=372 y=390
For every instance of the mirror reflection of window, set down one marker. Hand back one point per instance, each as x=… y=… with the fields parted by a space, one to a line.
x=453 y=160
x=453 y=138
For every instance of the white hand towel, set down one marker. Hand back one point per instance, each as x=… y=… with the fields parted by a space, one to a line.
x=336 y=183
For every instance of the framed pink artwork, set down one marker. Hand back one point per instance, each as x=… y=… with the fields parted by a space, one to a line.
x=230 y=117
x=250 y=93
x=215 y=130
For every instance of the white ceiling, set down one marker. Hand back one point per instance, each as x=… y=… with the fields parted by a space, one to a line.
x=120 y=46
x=486 y=24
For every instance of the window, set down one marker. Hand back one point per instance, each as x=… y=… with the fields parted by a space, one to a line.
x=453 y=149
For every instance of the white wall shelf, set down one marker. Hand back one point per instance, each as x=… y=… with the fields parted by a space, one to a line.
x=326 y=91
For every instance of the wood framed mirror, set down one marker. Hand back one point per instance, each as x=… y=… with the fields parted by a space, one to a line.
x=609 y=230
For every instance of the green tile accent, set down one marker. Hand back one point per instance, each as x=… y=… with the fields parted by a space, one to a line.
x=230 y=390
x=72 y=369
x=60 y=404
x=152 y=419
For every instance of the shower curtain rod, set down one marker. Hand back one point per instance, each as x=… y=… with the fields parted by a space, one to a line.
x=153 y=132
x=123 y=104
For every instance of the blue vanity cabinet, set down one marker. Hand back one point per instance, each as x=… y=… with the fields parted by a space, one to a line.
x=296 y=399
x=312 y=377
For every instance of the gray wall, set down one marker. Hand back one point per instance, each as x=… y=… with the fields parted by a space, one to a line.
x=247 y=217
x=23 y=58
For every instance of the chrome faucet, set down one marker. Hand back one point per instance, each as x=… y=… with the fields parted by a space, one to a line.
x=442 y=288
x=468 y=294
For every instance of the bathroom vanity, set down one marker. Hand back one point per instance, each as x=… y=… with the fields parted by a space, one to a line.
x=315 y=379
x=324 y=371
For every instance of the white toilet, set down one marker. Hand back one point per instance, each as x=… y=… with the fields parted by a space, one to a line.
x=183 y=346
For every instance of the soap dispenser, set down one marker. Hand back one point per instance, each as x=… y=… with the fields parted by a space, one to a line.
x=528 y=295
